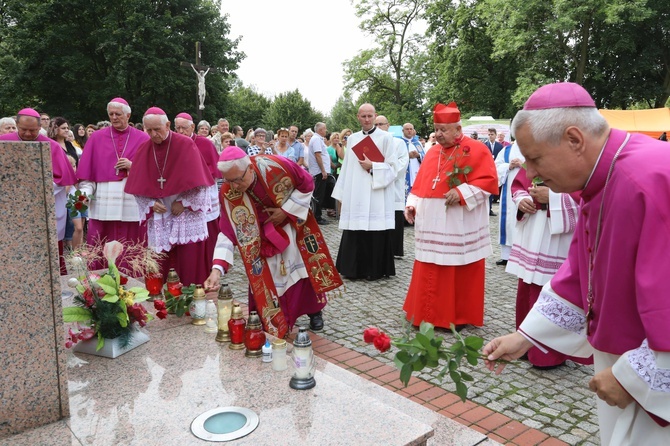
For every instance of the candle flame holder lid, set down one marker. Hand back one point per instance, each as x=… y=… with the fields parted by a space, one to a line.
x=254 y=321
x=224 y=292
x=237 y=312
x=172 y=276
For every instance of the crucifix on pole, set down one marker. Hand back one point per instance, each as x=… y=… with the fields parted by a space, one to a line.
x=200 y=71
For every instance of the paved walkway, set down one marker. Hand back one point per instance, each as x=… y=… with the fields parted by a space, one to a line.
x=523 y=406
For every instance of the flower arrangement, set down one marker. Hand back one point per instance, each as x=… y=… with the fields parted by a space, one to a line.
x=179 y=304
x=76 y=202
x=425 y=349
x=105 y=308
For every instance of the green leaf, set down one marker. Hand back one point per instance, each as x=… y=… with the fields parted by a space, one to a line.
x=466 y=377
x=80 y=288
x=419 y=363
x=432 y=362
x=101 y=342
x=405 y=374
x=111 y=298
x=472 y=358
x=108 y=284
x=141 y=296
x=455 y=376
x=443 y=372
x=76 y=314
x=122 y=318
x=427 y=329
x=462 y=391
x=457 y=182
x=77 y=193
x=474 y=342
x=453 y=365
x=427 y=346
x=403 y=356
x=467 y=170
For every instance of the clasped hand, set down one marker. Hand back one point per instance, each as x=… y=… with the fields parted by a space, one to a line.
x=276 y=216
x=123 y=163
x=608 y=389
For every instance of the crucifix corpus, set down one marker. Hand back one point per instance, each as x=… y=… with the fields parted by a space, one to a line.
x=200 y=71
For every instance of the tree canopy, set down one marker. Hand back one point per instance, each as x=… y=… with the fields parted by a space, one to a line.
x=72 y=56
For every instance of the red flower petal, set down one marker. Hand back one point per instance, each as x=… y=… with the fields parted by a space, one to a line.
x=382 y=342
x=370 y=333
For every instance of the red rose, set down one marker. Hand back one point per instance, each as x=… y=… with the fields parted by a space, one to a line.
x=159 y=305
x=370 y=334
x=123 y=280
x=466 y=149
x=78 y=205
x=82 y=197
x=88 y=297
x=382 y=342
x=162 y=314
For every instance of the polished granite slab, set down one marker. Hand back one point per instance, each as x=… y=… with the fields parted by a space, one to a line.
x=151 y=395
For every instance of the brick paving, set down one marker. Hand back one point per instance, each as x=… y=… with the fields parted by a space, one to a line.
x=523 y=406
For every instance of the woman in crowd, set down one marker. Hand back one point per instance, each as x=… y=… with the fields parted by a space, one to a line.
x=203 y=128
x=59 y=131
x=227 y=139
x=7 y=125
x=282 y=148
x=80 y=136
x=90 y=129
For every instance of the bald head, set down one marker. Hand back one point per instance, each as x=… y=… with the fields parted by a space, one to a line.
x=382 y=123
x=408 y=130
x=366 y=116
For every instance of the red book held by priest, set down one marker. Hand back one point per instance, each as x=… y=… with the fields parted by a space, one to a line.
x=368 y=147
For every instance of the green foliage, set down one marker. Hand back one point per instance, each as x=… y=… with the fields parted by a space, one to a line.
x=291 y=108
x=70 y=57
x=179 y=304
x=425 y=350
x=76 y=314
x=247 y=107
x=343 y=115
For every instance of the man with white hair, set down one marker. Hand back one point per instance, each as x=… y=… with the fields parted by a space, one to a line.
x=183 y=123
x=610 y=297
x=170 y=183
x=414 y=151
x=266 y=214
x=103 y=171
x=7 y=125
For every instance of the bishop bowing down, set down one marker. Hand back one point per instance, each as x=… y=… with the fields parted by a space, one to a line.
x=449 y=208
x=170 y=182
x=265 y=213
x=28 y=130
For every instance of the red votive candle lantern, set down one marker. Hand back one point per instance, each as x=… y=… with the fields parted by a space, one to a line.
x=254 y=337
x=236 y=325
x=154 y=284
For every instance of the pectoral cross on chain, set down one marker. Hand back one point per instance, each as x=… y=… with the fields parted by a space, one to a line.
x=161 y=180
x=436 y=180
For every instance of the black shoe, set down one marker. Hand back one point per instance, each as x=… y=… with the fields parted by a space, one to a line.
x=501 y=262
x=322 y=222
x=315 y=321
x=547 y=367
x=492 y=214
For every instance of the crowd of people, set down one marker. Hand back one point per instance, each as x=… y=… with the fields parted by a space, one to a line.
x=587 y=262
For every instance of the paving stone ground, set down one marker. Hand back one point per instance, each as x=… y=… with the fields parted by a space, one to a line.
x=556 y=402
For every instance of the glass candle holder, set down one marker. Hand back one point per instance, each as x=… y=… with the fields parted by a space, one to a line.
x=236 y=328
x=303 y=362
x=198 y=307
x=154 y=284
x=254 y=337
x=225 y=308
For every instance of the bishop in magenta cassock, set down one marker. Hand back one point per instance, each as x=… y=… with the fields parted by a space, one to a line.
x=183 y=123
x=28 y=130
x=609 y=298
x=103 y=171
x=170 y=183
x=452 y=242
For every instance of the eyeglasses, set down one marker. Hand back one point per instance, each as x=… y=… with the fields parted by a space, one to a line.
x=182 y=127
x=45 y=119
x=379 y=124
x=239 y=179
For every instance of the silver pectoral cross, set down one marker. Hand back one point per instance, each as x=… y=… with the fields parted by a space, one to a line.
x=436 y=180
x=117 y=172
x=161 y=180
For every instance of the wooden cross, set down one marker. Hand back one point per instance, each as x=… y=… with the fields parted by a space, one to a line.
x=198 y=67
x=161 y=180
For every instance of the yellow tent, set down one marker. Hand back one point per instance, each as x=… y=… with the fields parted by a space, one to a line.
x=651 y=122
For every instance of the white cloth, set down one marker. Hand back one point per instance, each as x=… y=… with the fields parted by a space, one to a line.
x=507 y=206
x=60 y=199
x=543 y=239
x=214 y=207
x=452 y=235
x=110 y=202
x=166 y=230
x=403 y=161
x=644 y=373
x=368 y=198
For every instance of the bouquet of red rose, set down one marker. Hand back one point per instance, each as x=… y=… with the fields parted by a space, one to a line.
x=105 y=306
x=77 y=202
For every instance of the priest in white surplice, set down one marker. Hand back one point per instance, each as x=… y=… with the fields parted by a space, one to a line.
x=367 y=193
x=508 y=163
